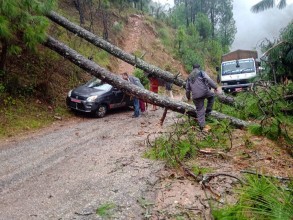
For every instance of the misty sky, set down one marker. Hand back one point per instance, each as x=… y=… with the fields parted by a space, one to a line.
x=253 y=28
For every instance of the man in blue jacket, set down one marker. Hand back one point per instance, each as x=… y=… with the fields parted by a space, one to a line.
x=200 y=84
x=135 y=81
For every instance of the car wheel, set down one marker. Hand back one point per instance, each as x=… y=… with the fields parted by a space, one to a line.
x=101 y=111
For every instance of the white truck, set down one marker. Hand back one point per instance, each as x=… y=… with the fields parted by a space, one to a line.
x=237 y=70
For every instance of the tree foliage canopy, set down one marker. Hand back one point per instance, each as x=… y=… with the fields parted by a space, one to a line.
x=22 y=22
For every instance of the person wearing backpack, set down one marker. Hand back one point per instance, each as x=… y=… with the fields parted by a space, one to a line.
x=199 y=84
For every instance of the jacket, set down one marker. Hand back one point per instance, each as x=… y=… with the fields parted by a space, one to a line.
x=135 y=81
x=199 y=83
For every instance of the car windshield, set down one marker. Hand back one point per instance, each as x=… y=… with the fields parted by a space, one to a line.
x=238 y=66
x=98 y=84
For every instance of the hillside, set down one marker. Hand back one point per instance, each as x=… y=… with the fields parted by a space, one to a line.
x=43 y=78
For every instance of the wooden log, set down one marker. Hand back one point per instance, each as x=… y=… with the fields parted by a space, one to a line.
x=129 y=88
x=114 y=50
x=129 y=58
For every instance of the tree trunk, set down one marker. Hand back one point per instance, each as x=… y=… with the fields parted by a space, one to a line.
x=3 y=54
x=119 y=53
x=127 y=87
x=114 y=50
x=79 y=8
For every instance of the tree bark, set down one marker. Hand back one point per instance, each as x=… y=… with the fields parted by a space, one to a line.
x=129 y=88
x=114 y=50
x=3 y=54
x=128 y=58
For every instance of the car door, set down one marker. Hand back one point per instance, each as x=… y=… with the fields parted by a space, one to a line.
x=117 y=98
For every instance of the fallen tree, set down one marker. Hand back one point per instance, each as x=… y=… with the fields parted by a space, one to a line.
x=121 y=54
x=114 y=50
x=129 y=88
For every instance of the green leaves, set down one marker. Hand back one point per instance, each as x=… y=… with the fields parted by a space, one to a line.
x=259 y=198
x=22 y=20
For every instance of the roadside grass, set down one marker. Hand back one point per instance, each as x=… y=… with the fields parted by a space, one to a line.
x=260 y=198
x=26 y=115
x=106 y=210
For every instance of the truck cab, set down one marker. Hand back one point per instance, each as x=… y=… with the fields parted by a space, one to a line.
x=237 y=70
x=236 y=74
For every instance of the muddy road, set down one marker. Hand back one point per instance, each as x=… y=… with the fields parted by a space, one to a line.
x=69 y=170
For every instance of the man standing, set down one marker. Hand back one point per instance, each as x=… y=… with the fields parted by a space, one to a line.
x=200 y=84
x=136 y=82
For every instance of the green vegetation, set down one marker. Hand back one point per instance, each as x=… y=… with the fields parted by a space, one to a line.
x=142 y=77
x=25 y=115
x=260 y=198
x=279 y=61
x=185 y=139
x=106 y=210
x=23 y=17
x=267 y=105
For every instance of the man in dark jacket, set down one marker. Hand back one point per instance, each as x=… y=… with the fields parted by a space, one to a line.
x=200 y=84
x=136 y=82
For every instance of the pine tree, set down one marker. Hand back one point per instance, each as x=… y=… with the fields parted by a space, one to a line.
x=21 y=24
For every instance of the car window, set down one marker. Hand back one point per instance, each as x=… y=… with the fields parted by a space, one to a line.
x=98 y=84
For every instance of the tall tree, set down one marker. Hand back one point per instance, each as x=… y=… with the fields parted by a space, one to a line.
x=226 y=24
x=267 y=4
x=21 y=23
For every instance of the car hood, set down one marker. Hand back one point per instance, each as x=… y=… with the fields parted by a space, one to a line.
x=84 y=91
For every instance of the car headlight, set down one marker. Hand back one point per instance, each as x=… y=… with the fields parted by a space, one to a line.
x=69 y=93
x=91 y=98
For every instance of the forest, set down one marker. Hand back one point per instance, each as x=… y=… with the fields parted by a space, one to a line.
x=49 y=47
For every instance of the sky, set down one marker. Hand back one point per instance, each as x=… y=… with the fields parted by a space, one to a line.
x=253 y=28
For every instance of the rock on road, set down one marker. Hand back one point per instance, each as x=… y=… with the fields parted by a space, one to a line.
x=69 y=170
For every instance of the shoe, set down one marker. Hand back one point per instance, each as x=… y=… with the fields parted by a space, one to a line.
x=206 y=128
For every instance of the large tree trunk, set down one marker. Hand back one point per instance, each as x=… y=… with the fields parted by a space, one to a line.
x=119 y=53
x=114 y=50
x=126 y=86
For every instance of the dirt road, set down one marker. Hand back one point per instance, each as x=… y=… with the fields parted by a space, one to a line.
x=69 y=170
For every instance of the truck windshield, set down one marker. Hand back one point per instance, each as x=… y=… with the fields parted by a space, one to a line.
x=238 y=66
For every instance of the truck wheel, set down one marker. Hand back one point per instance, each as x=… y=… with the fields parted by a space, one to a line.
x=101 y=111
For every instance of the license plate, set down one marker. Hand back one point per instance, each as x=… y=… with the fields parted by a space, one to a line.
x=238 y=89
x=75 y=100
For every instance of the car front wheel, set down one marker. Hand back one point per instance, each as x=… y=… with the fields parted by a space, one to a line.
x=101 y=111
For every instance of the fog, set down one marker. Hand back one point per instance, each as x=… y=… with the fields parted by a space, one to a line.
x=253 y=28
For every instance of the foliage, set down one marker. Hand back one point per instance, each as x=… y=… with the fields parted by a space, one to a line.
x=185 y=140
x=21 y=22
x=260 y=198
x=266 y=4
x=203 y=26
x=164 y=35
x=279 y=61
x=142 y=77
x=215 y=51
x=268 y=105
x=117 y=27
x=105 y=210
x=221 y=25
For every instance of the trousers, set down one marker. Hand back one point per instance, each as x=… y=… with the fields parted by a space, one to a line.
x=136 y=107
x=200 y=109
